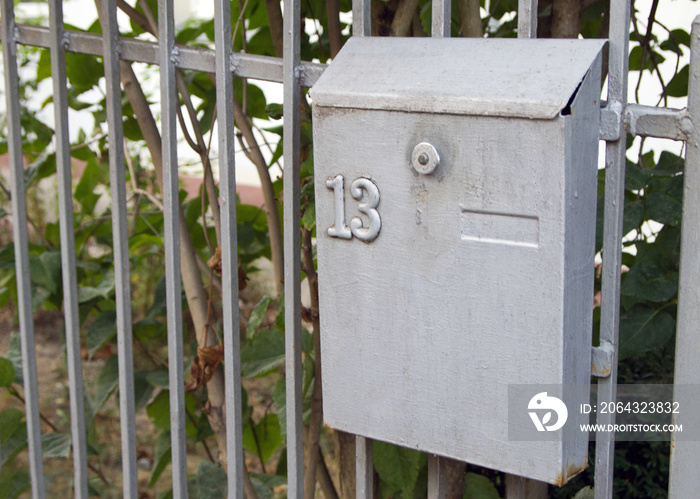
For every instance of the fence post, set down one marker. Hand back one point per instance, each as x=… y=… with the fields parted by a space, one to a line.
x=684 y=479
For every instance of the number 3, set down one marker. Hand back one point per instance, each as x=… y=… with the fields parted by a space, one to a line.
x=369 y=207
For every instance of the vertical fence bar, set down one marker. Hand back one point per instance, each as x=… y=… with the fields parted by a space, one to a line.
x=440 y=28
x=441 y=18
x=364 y=468
x=437 y=481
x=361 y=17
x=19 y=229
x=684 y=477
x=364 y=461
x=527 y=18
x=171 y=209
x=229 y=252
x=518 y=487
x=117 y=179
x=65 y=215
x=612 y=242
x=292 y=248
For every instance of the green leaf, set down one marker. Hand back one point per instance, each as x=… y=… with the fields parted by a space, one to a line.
x=159 y=410
x=211 y=481
x=107 y=382
x=5 y=295
x=644 y=329
x=263 y=354
x=256 y=98
x=279 y=397
x=43 y=167
x=664 y=208
x=269 y=437
x=88 y=181
x=479 y=487
x=7 y=372
x=14 y=355
x=161 y=457
x=274 y=110
x=83 y=70
x=102 y=290
x=101 y=331
x=46 y=271
x=635 y=61
x=309 y=218
x=143 y=390
x=585 y=493
x=264 y=484
x=398 y=468
x=678 y=86
x=13 y=483
x=10 y=420
x=13 y=434
x=55 y=445
x=257 y=316
x=636 y=178
x=633 y=216
x=649 y=283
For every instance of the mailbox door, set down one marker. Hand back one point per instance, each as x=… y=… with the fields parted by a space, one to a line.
x=439 y=290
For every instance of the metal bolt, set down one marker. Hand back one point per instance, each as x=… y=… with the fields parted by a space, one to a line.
x=425 y=158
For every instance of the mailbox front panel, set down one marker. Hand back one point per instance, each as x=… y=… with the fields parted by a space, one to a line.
x=439 y=290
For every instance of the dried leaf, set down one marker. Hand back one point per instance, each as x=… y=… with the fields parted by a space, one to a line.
x=215 y=261
x=204 y=365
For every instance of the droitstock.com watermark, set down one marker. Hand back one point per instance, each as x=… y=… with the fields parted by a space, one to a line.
x=572 y=412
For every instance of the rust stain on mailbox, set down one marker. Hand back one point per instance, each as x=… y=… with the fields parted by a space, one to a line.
x=456 y=199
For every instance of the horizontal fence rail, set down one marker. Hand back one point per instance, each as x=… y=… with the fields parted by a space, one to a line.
x=618 y=119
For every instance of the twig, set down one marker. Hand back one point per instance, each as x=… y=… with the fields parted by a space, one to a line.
x=324 y=478
x=186 y=133
x=316 y=419
x=204 y=442
x=46 y=420
x=257 y=443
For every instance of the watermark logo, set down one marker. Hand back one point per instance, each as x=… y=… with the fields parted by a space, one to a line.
x=541 y=403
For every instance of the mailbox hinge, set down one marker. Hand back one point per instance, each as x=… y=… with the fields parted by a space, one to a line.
x=602 y=359
x=611 y=121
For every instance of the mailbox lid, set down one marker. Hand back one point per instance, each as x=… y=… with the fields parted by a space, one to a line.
x=523 y=78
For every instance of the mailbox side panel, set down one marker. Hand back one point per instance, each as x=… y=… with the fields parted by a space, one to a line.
x=459 y=295
x=582 y=127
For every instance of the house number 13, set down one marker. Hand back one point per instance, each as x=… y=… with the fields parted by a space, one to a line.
x=366 y=193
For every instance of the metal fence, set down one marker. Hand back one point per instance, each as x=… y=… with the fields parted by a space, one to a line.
x=617 y=120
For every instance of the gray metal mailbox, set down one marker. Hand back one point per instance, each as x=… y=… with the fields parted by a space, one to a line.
x=456 y=198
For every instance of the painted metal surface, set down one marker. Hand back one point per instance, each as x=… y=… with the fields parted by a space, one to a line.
x=364 y=468
x=171 y=229
x=21 y=246
x=615 y=163
x=242 y=65
x=533 y=79
x=229 y=250
x=437 y=480
x=292 y=248
x=649 y=121
x=68 y=268
x=639 y=120
x=441 y=18
x=684 y=476
x=451 y=301
x=120 y=236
